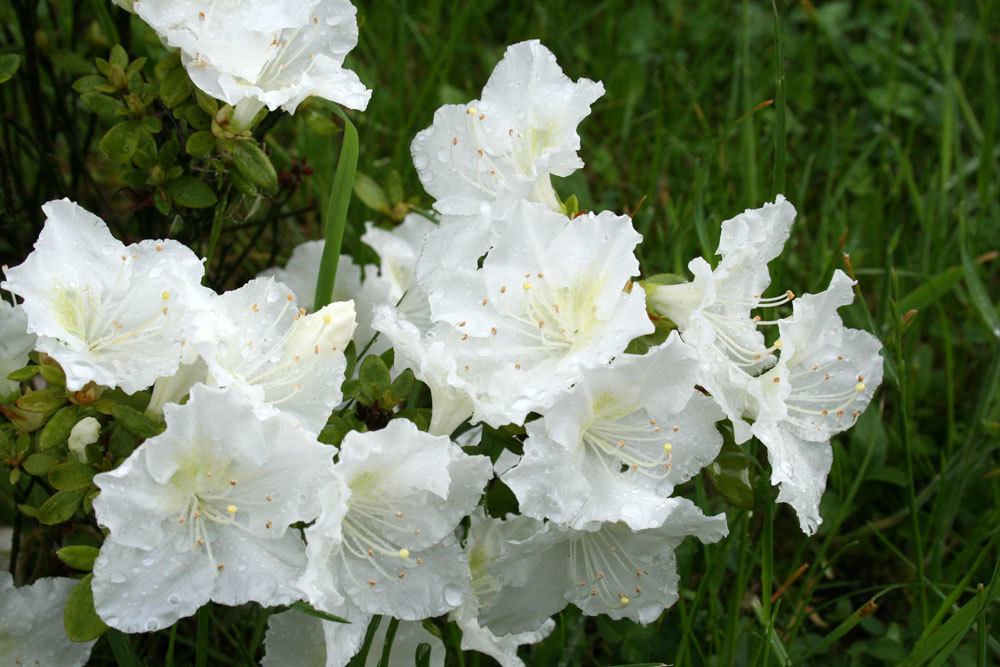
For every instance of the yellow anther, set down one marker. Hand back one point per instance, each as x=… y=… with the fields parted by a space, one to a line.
x=667 y=447
x=165 y=295
x=231 y=509
x=859 y=387
x=471 y=111
x=327 y=319
x=778 y=344
x=404 y=553
x=526 y=285
x=624 y=600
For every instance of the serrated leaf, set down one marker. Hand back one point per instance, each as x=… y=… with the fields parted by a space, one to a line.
x=71 y=476
x=80 y=619
x=120 y=142
x=61 y=506
x=189 y=192
x=79 y=557
x=56 y=431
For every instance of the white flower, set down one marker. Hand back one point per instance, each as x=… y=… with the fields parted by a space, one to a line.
x=713 y=312
x=31 y=624
x=431 y=357
x=15 y=344
x=84 y=432
x=294 y=639
x=268 y=52
x=551 y=300
x=486 y=550
x=201 y=512
x=115 y=315
x=173 y=388
x=615 y=445
x=612 y=570
x=278 y=355
x=489 y=153
x=825 y=377
x=398 y=251
x=384 y=539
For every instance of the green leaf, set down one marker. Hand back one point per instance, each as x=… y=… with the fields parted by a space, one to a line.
x=54 y=375
x=189 y=192
x=38 y=464
x=44 y=400
x=80 y=619
x=79 y=557
x=24 y=374
x=61 y=506
x=201 y=144
x=253 y=163
x=92 y=83
x=8 y=66
x=316 y=613
x=71 y=476
x=978 y=291
x=932 y=290
x=120 y=142
x=118 y=57
x=135 y=422
x=371 y=193
x=56 y=431
x=730 y=474
x=175 y=87
x=107 y=107
x=374 y=377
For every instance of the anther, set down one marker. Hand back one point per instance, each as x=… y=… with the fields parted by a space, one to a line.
x=526 y=285
x=255 y=307
x=404 y=553
x=493 y=331
x=327 y=319
x=776 y=379
x=503 y=289
x=420 y=561
x=471 y=111
x=165 y=296
x=231 y=509
x=624 y=600
x=371 y=582
x=778 y=344
x=399 y=515
x=268 y=498
x=859 y=387
x=402 y=574
x=667 y=447
x=220 y=567
x=268 y=524
x=232 y=482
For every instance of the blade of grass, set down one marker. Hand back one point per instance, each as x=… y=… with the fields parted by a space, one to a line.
x=780 y=131
x=122 y=648
x=361 y=658
x=100 y=8
x=201 y=639
x=335 y=212
x=390 y=635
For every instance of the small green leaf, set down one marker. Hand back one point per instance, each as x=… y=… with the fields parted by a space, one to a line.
x=135 y=422
x=371 y=193
x=201 y=144
x=8 y=66
x=175 y=87
x=730 y=474
x=253 y=163
x=71 y=476
x=118 y=57
x=120 y=142
x=80 y=619
x=53 y=374
x=43 y=400
x=374 y=377
x=79 y=557
x=56 y=431
x=105 y=106
x=24 y=374
x=190 y=192
x=61 y=506
x=39 y=463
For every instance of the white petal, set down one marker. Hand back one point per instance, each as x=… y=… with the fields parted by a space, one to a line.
x=799 y=469
x=32 y=631
x=15 y=344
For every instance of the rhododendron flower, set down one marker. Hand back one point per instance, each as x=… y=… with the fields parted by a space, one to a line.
x=398 y=250
x=294 y=639
x=202 y=511
x=15 y=344
x=31 y=624
x=272 y=53
x=98 y=306
x=279 y=356
x=714 y=311
x=551 y=300
x=615 y=445
x=824 y=379
x=485 y=155
x=611 y=570
x=486 y=549
x=384 y=539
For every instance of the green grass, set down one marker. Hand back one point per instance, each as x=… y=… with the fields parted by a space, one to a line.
x=877 y=120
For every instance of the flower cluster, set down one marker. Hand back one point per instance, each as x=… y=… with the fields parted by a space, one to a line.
x=516 y=311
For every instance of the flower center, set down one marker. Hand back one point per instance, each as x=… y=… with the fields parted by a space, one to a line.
x=625 y=440
x=602 y=568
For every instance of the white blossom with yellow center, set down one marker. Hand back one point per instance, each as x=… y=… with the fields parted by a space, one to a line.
x=615 y=445
x=825 y=377
x=117 y=315
x=384 y=540
x=202 y=512
x=256 y=53
x=278 y=355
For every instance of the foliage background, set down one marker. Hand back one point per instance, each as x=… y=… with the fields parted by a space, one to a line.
x=889 y=144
